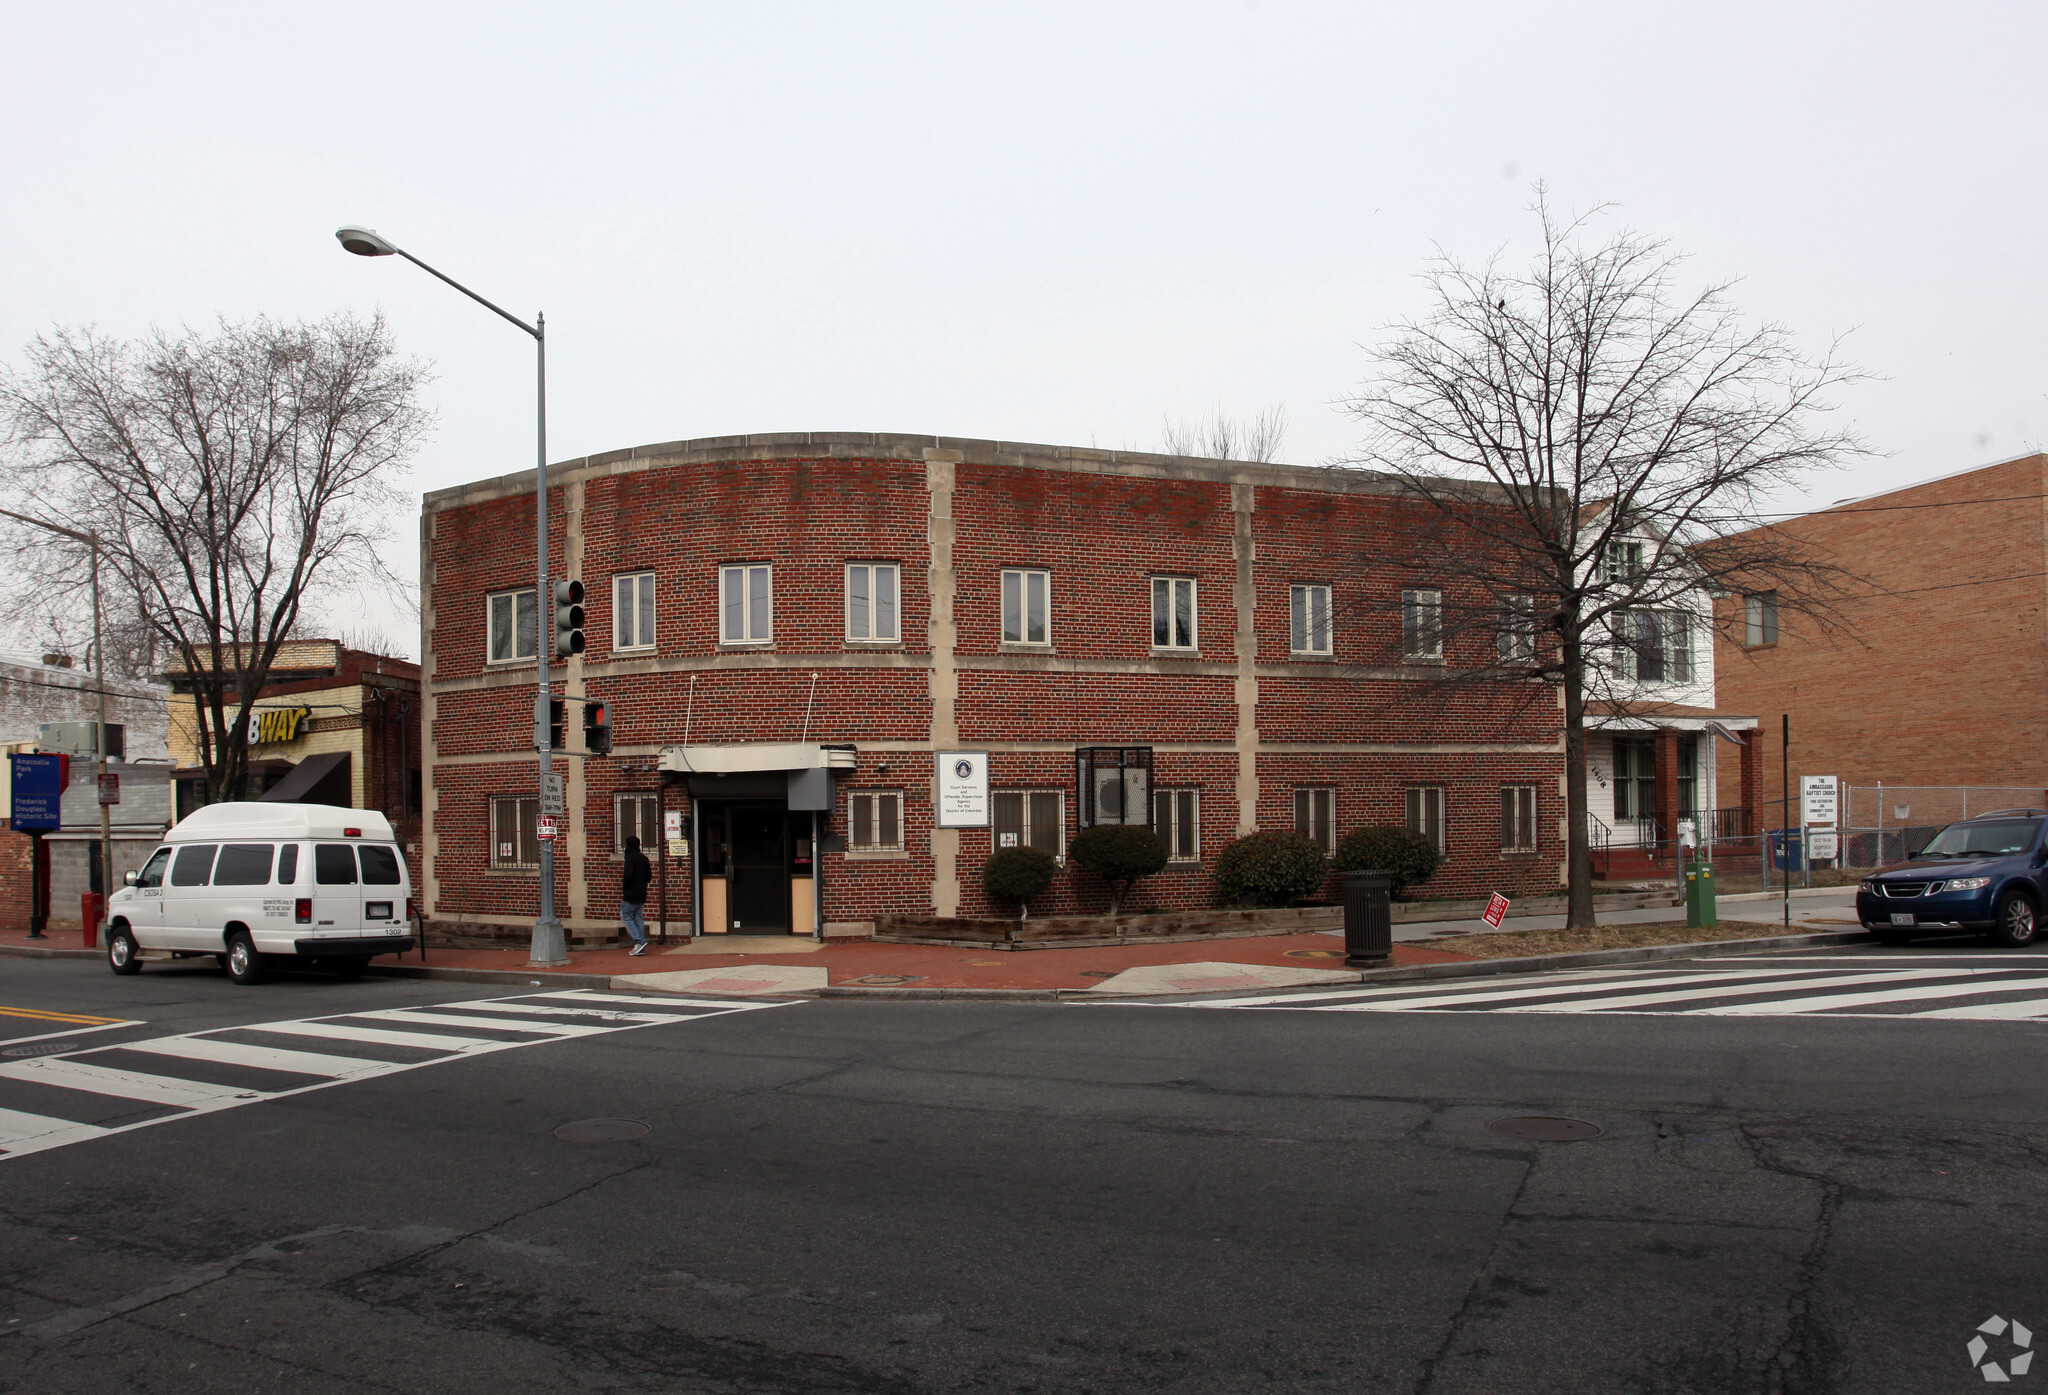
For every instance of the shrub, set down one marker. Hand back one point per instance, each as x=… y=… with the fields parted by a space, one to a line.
x=1412 y=857
x=1270 y=868
x=1018 y=874
x=1119 y=853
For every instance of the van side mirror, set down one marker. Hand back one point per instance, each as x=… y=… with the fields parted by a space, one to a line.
x=128 y=878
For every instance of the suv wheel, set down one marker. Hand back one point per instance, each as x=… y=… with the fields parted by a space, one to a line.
x=2015 y=923
x=245 y=965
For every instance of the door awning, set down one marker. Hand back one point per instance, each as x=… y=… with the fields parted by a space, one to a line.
x=306 y=778
x=755 y=758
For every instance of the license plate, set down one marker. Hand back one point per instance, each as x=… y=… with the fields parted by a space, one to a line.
x=381 y=910
x=1900 y=918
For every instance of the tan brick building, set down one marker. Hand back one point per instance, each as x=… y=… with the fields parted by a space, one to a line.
x=1941 y=675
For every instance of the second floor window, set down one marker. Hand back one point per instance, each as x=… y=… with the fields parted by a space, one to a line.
x=1422 y=624
x=1760 y=618
x=1654 y=646
x=633 y=611
x=1309 y=619
x=1624 y=561
x=746 y=615
x=871 y=601
x=1517 y=632
x=513 y=624
x=1173 y=612
x=1024 y=606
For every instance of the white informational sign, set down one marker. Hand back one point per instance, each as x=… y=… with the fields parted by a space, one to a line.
x=963 y=789
x=672 y=824
x=1822 y=845
x=678 y=847
x=553 y=794
x=1817 y=799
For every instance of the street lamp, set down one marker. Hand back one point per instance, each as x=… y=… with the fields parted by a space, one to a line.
x=550 y=949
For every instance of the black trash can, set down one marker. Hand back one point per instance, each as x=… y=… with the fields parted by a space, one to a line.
x=1368 y=918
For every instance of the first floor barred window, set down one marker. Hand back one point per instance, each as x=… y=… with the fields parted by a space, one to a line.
x=515 y=835
x=637 y=816
x=1426 y=813
x=1518 y=818
x=1029 y=819
x=874 y=819
x=1315 y=816
x=1176 y=818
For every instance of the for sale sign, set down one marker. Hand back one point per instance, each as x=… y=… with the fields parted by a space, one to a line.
x=1496 y=910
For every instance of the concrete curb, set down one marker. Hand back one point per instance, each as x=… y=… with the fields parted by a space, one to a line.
x=39 y=952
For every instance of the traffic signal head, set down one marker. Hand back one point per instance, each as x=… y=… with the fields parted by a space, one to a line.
x=597 y=729
x=556 y=710
x=568 y=618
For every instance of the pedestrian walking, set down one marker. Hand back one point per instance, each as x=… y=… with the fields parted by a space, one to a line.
x=633 y=894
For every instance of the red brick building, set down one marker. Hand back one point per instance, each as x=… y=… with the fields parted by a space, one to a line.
x=1938 y=675
x=789 y=630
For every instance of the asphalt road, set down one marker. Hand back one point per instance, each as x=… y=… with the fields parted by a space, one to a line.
x=889 y=1198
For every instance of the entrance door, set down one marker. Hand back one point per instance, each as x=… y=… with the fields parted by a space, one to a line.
x=758 y=879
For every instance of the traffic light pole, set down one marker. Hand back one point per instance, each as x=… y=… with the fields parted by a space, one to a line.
x=550 y=947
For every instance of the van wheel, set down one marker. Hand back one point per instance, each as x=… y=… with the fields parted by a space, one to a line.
x=2014 y=923
x=347 y=965
x=245 y=965
x=122 y=955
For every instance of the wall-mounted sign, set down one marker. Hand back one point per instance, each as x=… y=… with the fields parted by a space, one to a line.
x=271 y=725
x=963 y=789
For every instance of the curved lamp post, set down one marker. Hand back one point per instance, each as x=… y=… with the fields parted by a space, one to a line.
x=550 y=948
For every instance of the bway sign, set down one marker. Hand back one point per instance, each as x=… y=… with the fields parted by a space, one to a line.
x=270 y=725
x=963 y=789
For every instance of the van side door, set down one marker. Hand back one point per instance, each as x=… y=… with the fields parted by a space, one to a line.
x=188 y=901
x=337 y=891
x=145 y=909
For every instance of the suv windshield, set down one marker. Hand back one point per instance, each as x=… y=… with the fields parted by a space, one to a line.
x=2001 y=839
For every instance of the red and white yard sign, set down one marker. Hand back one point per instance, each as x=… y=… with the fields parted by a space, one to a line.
x=547 y=826
x=1496 y=910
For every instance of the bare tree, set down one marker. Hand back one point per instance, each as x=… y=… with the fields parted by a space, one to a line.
x=234 y=479
x=1226 y=438
x=1594 y=443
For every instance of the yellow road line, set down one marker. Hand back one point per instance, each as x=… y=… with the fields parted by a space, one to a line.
x=37 y=1014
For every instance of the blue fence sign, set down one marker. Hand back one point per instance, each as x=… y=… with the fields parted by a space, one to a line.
x=37 y=785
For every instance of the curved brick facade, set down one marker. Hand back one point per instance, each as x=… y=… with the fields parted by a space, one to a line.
x=1237 y=717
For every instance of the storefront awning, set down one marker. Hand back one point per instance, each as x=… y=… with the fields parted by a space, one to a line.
x=308 y=782
x=755 y=758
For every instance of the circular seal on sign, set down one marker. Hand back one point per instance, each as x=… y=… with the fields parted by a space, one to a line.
x=963 y=769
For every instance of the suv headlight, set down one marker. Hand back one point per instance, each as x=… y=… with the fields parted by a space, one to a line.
x=1968 y=884
x=1867 y=885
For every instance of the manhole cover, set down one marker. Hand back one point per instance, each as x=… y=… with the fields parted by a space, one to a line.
x=885 y=980
x=1547 y=1128
x=1100 y=973
x=1315 y=954
x=602 y=1131
x=41 y=1048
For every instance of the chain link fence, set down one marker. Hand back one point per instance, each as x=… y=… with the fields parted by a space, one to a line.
x=1878 y=824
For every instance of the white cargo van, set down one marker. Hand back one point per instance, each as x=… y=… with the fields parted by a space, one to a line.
x=251 y=882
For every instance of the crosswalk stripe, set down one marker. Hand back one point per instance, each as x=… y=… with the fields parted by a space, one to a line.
x=377 y=1035
x=1735 y=990
x=1994 y=1012
x=602 y=1013
x=1822 y=1003
x=17 y=1128
x=121 y=1084
x=1381 y=999
x=496 y=1024
x=234 y=1053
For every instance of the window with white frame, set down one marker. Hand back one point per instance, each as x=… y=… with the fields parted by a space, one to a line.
x=874 y=821
x=871 y=602
x=636 y=815
x=515 y=832
x=1426 y=813
x=1025 y=596
x=1760 y=618
x=1653 y=646
x=1177 y=819
x=1624 y=561
x=1315 y=816
x=746 y=609
x=1516 y=636
x=1518 y=818
x=1173 y=612
x=1309 y=619
x=1029 y=819
x=633 y=611
x=513 y=626
x=1422 y=624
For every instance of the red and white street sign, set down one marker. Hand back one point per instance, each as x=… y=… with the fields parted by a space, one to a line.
x=1496 y=910
x=547 y=826
x=110 y=788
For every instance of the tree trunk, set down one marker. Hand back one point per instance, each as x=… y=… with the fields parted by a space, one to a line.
x=1578 y=857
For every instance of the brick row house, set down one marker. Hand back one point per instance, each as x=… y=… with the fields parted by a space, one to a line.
x=788 y=631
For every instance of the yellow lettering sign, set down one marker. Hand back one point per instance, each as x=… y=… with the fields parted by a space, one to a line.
x=275 y=724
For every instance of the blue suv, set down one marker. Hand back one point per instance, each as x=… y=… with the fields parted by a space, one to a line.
x=1989 y=874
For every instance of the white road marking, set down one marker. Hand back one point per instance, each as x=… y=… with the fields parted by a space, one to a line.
x=1733 y=990
x=121 y=1084
x=234 y=1053
x=31 y=1133
x=332 y=1031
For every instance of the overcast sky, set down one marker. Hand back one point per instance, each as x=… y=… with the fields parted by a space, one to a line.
x=1033 y=222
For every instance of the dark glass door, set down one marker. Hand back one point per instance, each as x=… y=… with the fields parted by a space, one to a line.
x=758 y=868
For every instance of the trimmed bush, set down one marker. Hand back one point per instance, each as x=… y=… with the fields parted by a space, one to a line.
x=1018 y=874
x=1273 y=867
x=1412 y=857
x=1119 y=853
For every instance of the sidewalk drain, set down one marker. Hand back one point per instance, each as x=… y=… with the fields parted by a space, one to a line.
x=41 y=1048
x=1547 y=1128
x=1314 y=954
x=884 y=980
x=1099 y=973
x=602 y=1131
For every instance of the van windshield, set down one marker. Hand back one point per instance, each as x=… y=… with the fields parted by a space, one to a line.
x=2000 y=839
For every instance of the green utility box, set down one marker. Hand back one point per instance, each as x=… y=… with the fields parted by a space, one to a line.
x=1699 y=895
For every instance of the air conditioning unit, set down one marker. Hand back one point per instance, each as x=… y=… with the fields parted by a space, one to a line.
x=76 y=739
x=1115 y=784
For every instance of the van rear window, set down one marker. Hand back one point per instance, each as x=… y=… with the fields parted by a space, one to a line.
x=380 y=866
x=193 y=864
x=243 y=864
x=334 y=864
